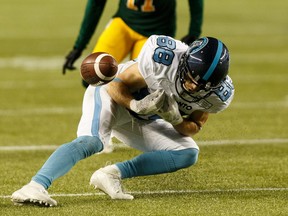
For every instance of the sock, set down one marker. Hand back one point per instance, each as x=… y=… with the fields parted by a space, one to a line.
x=65 y=157
x=37 y=185
x=157 y=162
x=113 y=169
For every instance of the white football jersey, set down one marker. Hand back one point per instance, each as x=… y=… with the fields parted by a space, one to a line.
x=158 y=63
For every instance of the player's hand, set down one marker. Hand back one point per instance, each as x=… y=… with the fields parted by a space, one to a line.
x=188 y=39
x=170 y=111
x=149 y=104
x=70 y=59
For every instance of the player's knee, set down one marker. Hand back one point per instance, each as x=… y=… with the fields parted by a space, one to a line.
x=88 y=145
x=185 y=158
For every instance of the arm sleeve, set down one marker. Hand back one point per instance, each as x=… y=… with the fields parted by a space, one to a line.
x=196 y=17
x=93 y=12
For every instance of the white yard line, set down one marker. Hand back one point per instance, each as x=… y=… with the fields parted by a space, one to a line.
x=245 y=141
x=56 y=62
x=121 y=145
x=235 y=190
x=77 y=109
x=28 y=148
x=32 y=62
x=40 y=111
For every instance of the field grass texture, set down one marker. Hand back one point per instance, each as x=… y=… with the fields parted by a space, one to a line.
x=242 y=166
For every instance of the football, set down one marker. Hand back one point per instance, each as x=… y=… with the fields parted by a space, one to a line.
x=98 y=68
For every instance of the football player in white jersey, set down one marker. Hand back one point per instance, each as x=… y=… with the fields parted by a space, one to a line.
x=155 y=104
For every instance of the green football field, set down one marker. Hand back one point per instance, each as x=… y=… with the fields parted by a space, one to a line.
x=243 y=162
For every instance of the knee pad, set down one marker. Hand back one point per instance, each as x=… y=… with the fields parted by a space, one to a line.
x=185 y=158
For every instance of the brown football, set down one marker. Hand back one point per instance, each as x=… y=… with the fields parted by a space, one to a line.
x=98 y=68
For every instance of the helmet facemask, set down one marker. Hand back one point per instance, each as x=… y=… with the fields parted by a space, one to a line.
x=180 y=84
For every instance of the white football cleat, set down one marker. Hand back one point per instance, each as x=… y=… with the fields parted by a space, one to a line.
x=33 y=193
x=108 y=180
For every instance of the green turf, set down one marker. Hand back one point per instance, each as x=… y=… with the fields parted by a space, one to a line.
x=40 y=106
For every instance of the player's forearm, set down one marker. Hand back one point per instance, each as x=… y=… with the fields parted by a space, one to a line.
x=92 y=15
x=187 y=128
x=120 y=93
x=193 y=123
x=196 y=17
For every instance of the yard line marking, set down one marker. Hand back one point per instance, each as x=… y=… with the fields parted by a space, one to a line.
x=33 y=63
x=28 y=148
x=122 y=145
x=178 y=191
x=244 y=141
x=233 y=190
x=40 y=111
x=77 y=109
x=7 y=85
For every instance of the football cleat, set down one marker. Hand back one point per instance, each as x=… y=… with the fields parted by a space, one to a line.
x=33 y=194
x=108 y=180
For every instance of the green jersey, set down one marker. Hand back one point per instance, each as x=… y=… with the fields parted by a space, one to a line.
x=157 y=18
x=146 y=17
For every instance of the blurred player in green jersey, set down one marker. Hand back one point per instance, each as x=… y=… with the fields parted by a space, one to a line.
x=130 y=26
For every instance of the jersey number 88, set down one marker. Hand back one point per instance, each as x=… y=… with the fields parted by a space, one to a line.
x=164 y=54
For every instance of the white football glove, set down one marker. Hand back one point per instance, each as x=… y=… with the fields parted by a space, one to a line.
x=170 y=111
x=149 y=104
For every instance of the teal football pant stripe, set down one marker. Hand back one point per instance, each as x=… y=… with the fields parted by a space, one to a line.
x=65 y=157
x=97 y=111
x=157 y=162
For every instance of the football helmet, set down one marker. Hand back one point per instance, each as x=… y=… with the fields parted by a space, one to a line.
x=206 y=61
